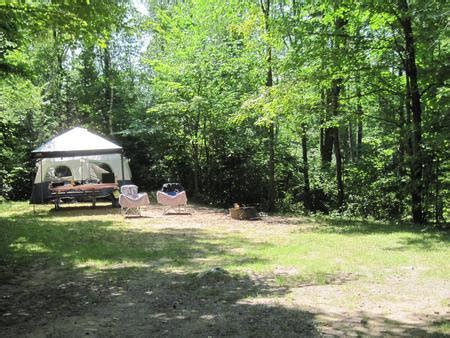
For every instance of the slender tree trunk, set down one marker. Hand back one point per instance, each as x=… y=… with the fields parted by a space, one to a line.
x=339 y=180
x=438 y=209
x=359 y=130
x=321 y=139
x=109 y=94
x=359 y=139
x=351 y=142
x=196 y=153
x=196 y=168
x=307 y=190
x=335 y=90
x=336 y=87
x=402 y=150
x=416 y=137
x=326 y=134
x=265 y=6
x=56 y=81
x=322 y=131
x=408 y=122
x=207 y=181
x=110 y=114
x=271 y=167
x=402 y=134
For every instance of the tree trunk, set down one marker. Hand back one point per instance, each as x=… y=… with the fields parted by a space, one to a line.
x=196 y=152
x=110 y=114
x=109 y=95
x=351 y=142
x=271 y=167
x=56 y=80
x=359 y=139
x=335 y=90
x=339 y=180
x=326 y=151
x=438 y=205
x=265 y=6
x=416 y=133
x=359 y=130
x=196 y=168
x=307 y=190
x=336 y=87
x=207 y=180
x=402 y=134
x=326 y=134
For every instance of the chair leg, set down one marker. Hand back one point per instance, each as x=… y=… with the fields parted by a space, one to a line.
x=136 y=211
x=177 y=209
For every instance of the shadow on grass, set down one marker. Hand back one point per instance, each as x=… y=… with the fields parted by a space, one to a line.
x=427 y=242
x=138 y=290
x=428 y=239
x=25 y=238
x=364 y=324
x=82 y=210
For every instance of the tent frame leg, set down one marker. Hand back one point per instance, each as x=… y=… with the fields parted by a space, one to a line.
x=121 y=167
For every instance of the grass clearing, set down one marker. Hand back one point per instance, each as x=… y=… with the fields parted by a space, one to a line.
x=289 y=275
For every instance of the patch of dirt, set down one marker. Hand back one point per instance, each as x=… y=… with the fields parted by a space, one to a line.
x=203 y=304
x=400 y=306
x=41 y=294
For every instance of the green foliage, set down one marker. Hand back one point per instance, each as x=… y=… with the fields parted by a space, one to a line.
x=20 y=105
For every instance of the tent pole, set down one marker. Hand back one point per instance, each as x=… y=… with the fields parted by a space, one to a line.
x=42 y=185
x=32 y=197
x=121 y=164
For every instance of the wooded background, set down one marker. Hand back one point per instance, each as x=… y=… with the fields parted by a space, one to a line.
x=297 y=105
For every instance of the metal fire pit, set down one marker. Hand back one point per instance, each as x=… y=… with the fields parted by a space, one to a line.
x=243 y=213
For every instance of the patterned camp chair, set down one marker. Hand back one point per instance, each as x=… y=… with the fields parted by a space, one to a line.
x=173 y=197
x=131 y=201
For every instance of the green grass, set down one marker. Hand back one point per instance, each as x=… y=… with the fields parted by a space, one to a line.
x=326 y=252
x=443 y=327
x=101 y=239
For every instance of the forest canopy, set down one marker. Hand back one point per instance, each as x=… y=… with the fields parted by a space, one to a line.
x=295 y=105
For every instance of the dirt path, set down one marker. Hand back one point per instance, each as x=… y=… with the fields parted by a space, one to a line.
x=47 y=301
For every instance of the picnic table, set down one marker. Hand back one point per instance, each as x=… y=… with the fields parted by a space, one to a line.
x=93 y=191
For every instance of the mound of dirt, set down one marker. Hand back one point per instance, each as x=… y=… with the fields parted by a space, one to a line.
x=213 y=276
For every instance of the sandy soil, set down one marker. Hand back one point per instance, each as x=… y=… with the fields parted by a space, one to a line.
x=45 y=301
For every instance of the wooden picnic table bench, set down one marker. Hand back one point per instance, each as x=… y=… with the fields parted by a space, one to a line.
x=93 y=190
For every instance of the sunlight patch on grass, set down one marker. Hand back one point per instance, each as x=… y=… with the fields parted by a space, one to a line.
x=365 y=254
x=318 y=278
x=23 y=247
x=98 y=264
x=443 y=328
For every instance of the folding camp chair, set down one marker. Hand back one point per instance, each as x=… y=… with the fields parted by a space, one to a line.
x=173 y=197
x=131 y=201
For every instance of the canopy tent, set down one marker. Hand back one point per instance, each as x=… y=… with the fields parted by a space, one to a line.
x=76 y=142
x=78 y=156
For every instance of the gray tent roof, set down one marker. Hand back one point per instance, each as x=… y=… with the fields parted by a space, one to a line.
x=76 y=142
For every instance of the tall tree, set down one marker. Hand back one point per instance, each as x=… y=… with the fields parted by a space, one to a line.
x=413 y=99
x=265 y=6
